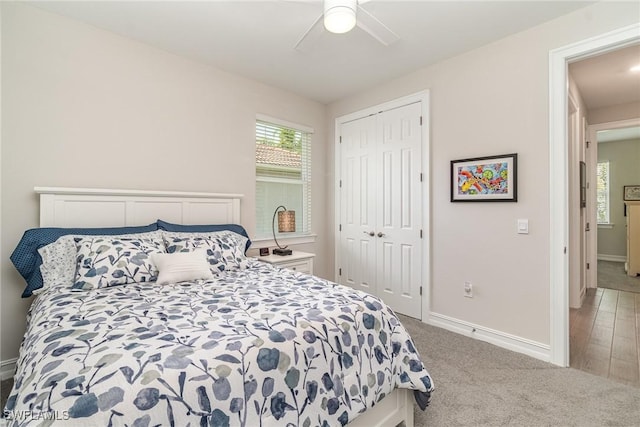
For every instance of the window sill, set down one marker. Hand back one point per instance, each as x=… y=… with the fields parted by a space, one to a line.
x=606 y=226
x=292 y=240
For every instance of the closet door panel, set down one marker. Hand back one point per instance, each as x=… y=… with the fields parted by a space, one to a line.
x=358 y=205
x=400 y=222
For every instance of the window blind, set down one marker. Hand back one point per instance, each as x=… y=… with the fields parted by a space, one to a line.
x=283 y=174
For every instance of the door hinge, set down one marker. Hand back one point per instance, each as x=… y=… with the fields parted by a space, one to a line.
x=340 y=227
x=421 y=234
x=420 y=290
x=420 y=120
x=421 y=176
x=588 y=143
x=340 y=183
x=339 y=272
x=340 y=137
x=588 y=266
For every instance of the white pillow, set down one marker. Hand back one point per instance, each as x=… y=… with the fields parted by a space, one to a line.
x=182 y=266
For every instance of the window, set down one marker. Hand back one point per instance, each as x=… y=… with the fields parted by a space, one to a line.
x=283 y=173
x=602 y=195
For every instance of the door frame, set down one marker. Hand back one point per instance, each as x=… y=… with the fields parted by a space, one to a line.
x=423 y=97
x=558 y=179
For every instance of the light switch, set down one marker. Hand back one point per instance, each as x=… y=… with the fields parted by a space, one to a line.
x=523 y=226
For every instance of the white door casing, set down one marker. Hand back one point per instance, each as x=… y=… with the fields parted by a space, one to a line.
x=380 y=218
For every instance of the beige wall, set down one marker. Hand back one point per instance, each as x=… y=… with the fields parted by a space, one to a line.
x=614 y=113
x=624 y=169
x=83 y=107
x=494 y=100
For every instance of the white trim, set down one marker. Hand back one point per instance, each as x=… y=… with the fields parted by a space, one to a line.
x=284 y=123
x=492 y=336
x=424 y=98
x=7 y=368
x=558 y=167
x=144 y=193
x=614 y=258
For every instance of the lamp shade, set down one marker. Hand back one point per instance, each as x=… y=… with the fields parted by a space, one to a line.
x=340 y=15
x=286 y=221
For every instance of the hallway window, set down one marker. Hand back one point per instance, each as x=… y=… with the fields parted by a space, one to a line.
x=602 y=195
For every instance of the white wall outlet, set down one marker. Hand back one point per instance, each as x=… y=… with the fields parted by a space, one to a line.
x=468 y=290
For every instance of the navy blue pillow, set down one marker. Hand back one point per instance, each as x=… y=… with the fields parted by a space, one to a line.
x=167 y=226
x=27 y=260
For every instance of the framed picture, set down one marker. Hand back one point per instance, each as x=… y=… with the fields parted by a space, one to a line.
x=631 y=192
x=485 y=179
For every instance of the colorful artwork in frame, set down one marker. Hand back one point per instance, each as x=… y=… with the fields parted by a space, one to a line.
x=485 y=179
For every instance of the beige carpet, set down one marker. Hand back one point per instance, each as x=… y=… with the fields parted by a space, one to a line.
x=611 y=275
x=479 y=384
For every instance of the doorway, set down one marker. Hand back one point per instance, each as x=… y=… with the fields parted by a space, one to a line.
x=559 y=172
x=618 y=155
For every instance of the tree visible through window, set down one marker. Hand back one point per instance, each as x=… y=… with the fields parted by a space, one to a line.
x=283 y=175
x=602 y=195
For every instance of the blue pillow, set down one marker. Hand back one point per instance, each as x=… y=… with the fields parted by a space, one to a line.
x=27 y=260
x=167 y=226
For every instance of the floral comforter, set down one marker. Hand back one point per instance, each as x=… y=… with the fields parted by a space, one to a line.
x=255 y=347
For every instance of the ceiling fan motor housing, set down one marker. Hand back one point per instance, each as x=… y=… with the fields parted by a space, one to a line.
x=340 y=15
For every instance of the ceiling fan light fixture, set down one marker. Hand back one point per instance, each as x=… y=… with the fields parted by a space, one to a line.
x=340 y=15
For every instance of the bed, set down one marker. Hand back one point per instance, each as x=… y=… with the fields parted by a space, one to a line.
x=239 y=343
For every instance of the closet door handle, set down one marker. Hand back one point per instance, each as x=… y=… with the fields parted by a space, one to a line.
x=370 y=233
x=381 y=234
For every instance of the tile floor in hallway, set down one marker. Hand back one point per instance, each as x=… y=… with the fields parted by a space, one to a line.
x=605 y=335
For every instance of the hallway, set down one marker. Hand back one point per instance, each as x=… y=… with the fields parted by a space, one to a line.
x=605 y=335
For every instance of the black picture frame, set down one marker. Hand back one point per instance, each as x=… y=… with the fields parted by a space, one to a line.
x=485 y=179
x=631 y=193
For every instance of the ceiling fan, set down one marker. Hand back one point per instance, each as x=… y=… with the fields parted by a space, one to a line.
x=340 y=16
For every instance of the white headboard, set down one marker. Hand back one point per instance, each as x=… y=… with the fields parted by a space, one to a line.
x=93 y=207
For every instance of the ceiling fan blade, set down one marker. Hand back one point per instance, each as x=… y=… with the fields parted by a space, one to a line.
x=311 y=35
x=375 y=28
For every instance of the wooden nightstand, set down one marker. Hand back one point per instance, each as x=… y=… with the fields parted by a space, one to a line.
x=298 y=261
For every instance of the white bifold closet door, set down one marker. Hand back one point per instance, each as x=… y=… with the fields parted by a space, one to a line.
x=381 y=207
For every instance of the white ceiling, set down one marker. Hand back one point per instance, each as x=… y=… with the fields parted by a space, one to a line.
x=256 y=39
x=607 y=80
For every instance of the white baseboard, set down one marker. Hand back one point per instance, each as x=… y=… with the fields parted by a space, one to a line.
x=614 y=258
x=7 y=368
x=510 y=342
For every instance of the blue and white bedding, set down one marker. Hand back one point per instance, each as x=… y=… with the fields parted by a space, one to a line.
x=258 y=346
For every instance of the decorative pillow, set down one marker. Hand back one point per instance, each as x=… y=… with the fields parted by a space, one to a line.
x=225 y=249
x=182 y=266
x=104 y=261
x=59 y=258
x=205 y=229
x=26 y=259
